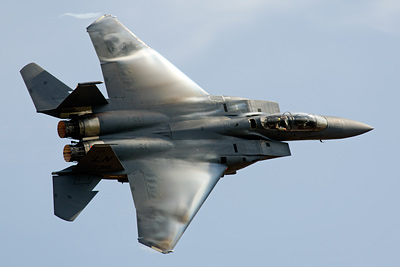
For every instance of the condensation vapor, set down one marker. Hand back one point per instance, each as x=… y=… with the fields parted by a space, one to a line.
x=82 y=15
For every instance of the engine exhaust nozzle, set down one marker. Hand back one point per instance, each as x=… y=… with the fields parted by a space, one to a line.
x=73 y=153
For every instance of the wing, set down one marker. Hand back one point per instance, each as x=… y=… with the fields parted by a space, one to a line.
x=133 y=71
x=167 y=195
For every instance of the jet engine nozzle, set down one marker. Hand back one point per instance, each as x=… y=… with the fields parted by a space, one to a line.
x=74 y=152
x=77 y=129
x=67 y=129
x=106 y=123
x=343 y=128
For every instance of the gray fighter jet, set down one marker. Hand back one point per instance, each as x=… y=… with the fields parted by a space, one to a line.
x=161 y=133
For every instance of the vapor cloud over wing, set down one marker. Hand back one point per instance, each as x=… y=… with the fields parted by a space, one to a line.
x=82 y=15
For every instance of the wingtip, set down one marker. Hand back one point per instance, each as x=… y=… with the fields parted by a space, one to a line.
x=167 y=251
x=156 y=247
x=105 y=16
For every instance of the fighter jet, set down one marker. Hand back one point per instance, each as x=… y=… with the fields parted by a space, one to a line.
x=161 y=133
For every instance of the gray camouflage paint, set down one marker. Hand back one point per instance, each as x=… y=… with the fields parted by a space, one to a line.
x=160 y=132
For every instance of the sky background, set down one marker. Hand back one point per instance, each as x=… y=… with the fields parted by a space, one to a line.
x=330 y=204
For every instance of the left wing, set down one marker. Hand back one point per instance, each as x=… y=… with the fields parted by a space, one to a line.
x=133 y=71
x=167 y=193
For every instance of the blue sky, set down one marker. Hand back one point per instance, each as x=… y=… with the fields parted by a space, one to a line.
x=329 y=204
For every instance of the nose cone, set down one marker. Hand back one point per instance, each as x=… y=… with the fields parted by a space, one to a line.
x=343 y=128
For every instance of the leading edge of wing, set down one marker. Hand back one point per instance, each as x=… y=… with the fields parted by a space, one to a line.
x=135 y=72
x=167 y=194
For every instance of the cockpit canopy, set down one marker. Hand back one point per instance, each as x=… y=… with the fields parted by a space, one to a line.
x=294 y=122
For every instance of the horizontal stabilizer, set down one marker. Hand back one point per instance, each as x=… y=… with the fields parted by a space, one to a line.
x=72 y=193
x=47 y=92
x=54 y=98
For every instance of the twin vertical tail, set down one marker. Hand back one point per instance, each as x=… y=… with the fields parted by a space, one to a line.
x=72 y=187
x=54 y=98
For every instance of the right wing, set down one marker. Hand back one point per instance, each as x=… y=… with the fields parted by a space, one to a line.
x=133 y=71
x=168 y=192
